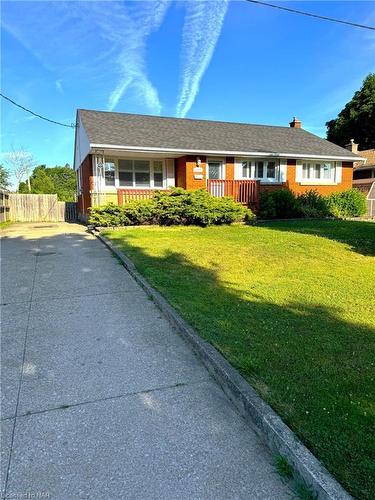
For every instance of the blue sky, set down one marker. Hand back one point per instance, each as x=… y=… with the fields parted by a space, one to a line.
x=220 y=60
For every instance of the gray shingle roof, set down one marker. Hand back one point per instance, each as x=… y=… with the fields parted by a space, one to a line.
x=125 y=129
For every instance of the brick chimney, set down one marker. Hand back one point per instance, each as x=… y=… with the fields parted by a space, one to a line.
x=296 y=123
x=352 y=146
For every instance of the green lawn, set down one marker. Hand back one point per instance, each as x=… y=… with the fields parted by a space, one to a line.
x=5 y=224
x=292 y=306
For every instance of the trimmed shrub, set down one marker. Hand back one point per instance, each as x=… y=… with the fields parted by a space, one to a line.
x=169 y=207
x=108 y=215
x=278 y=204
x=250 y=218
x=283 y=204
x=350 y=203
x=312 y=204
x=139 y=212
x=175 y=207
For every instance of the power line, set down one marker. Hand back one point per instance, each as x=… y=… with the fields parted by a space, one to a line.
x=294 y=11
x=36 y=114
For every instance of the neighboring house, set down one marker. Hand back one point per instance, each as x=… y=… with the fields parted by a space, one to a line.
x=363 y=171
x=364 y=175
x=120 y=156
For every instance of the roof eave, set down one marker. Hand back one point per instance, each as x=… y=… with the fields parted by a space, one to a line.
x=147 y=149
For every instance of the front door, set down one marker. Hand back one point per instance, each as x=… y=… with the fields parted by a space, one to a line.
x=215 y=171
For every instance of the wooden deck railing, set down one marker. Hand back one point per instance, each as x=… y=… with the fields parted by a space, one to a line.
x=125 y=195
x=242 y=191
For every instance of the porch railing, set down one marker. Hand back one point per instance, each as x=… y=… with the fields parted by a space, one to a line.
x=242 y=191
x=125 y=195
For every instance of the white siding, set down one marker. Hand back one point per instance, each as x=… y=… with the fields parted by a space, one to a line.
x=338 y=172
x=169 y=172
x=82 y=145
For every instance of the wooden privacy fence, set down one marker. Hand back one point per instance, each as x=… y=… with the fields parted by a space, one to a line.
x=36 y=208
x=4 y=205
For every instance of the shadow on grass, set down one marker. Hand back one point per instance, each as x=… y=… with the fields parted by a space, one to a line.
x=315 y=369
x=358 y=235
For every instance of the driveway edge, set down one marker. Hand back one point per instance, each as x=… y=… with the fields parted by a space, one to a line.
x=277 y=435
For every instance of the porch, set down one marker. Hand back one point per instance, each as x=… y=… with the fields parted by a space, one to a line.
x=245 y=192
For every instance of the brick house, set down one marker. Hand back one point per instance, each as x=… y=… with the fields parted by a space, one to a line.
x=121 y=156
x=363 y=171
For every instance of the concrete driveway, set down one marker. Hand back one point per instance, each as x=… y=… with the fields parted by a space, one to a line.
x=101 y=398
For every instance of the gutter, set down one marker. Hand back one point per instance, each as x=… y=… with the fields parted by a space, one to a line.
x=147 y=149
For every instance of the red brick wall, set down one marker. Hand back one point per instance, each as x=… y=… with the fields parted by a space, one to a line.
x=185 y=175
x=296 y=187
x=180 y=172
x=229 y=168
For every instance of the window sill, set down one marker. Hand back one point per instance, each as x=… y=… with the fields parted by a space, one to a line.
x=262 y=181
x=148 y=188
x=271 y=182
x=318 y=183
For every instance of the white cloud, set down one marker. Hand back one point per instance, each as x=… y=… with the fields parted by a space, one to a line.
x=99 y=42
x=202 y=27
x=59 y=87
x=128 y=29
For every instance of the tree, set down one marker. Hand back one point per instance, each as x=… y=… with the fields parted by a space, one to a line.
x=20 y=163
x=357 y=119
x=4 y=177
x=48 y=180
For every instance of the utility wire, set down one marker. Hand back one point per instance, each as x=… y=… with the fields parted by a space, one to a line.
x=258 y=2
x=36 y=114
x=294 y=11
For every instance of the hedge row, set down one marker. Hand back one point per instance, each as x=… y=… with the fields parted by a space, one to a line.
x=283 y=204
x=200 y=208
x=175 y=207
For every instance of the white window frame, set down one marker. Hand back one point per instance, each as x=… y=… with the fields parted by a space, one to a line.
x=151 y=161
x=222 y=166
x=109 y=160
x=251 y=162
x=312 y=180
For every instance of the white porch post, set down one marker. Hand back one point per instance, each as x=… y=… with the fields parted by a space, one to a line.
x=98 y=176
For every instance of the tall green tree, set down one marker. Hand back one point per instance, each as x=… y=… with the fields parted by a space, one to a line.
x=4 y=177
x=50 y=180
x=357 y=119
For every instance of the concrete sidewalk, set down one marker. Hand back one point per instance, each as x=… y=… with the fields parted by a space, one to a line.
x=101 y=398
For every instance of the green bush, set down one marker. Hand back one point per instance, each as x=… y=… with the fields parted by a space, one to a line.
x=195 y=207
x=109 y=215
x=169 y=207
x=312 y=204
x=283 y=204
x=279 y=204
x=139 y=212
x=175 y=207
x=350 y=203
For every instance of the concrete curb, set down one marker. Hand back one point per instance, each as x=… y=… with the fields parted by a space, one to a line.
x=251 y=406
